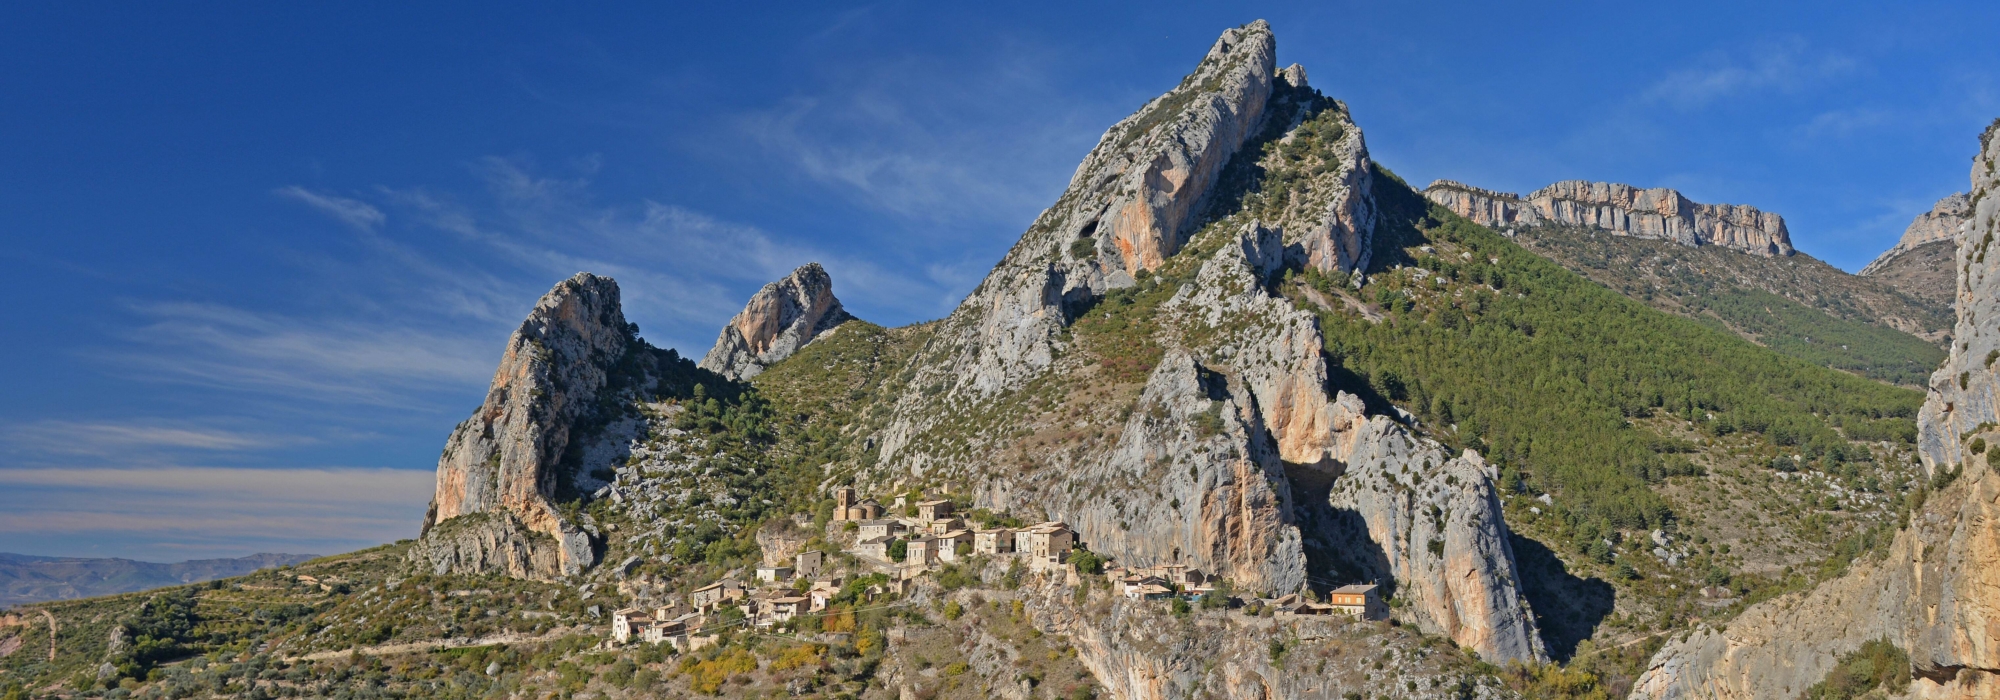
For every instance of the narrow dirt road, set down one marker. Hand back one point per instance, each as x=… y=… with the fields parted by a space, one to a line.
x=52 y=633
x=430 y=644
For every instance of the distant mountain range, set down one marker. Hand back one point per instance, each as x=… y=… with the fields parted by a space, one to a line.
x=30 y=579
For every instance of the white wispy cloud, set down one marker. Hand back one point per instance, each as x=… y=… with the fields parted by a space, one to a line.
x=682 y=272
x=181 y=512
x=324 y=359
x=358 y=214
x=1783 y=65
x=106 y=437
x=876 y=135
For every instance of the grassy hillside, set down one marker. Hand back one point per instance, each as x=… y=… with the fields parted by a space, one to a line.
x=1796 y=305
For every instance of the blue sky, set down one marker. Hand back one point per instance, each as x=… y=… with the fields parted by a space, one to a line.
x=260 y=258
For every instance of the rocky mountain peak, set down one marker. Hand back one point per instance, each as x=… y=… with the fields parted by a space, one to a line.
x=493 y=507
x=1657 y=213
x=1294 y=75
x=779 y=319
x=1197 y=202
x=1920 y=264
x=1142 y=183
x=1942 y=223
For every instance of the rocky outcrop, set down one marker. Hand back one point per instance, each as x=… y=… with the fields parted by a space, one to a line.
x=780 y=318
x=504 y=459
x=1920 y=264
x=1936 y=592
x=1192 y=480
x=1271 y=346
x=1467 y=590
x=1326 y=214
x=1941 y=223
x=1409 y=513
x=1657 y=213
x=480 y=543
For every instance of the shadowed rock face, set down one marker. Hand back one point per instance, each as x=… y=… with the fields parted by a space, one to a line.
x=503 y=460
x=1657 y=213
x=781 y=318
x=1937 y=590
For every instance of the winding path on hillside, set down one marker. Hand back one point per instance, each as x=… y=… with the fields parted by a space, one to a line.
x=438 y=644
x=52 y=633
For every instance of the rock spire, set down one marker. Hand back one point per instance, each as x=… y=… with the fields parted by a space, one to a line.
x=779 y=319
x=498 y=471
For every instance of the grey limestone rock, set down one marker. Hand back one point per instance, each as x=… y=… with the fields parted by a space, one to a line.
x=1943 y=222
x=1205 y=468
x=1408 y=512
x=1657 y=213
x=781 y=318
x=1962 y=391
x=1194 y=479
x=504 y=458
x=487 y=542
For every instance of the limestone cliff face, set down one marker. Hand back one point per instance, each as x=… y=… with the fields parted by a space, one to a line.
x=1937 y=590
x=1327 y=219
x=781 y=318
x=1934 y=593
x=1175 y=489
x=480 y=543
x=1272 y=347
x=1196 y=474
x=1142 y=183
x=1920 y=264
x=1657 y=213
x=1431 y=523
x=503 y=460
x=1962 y=391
